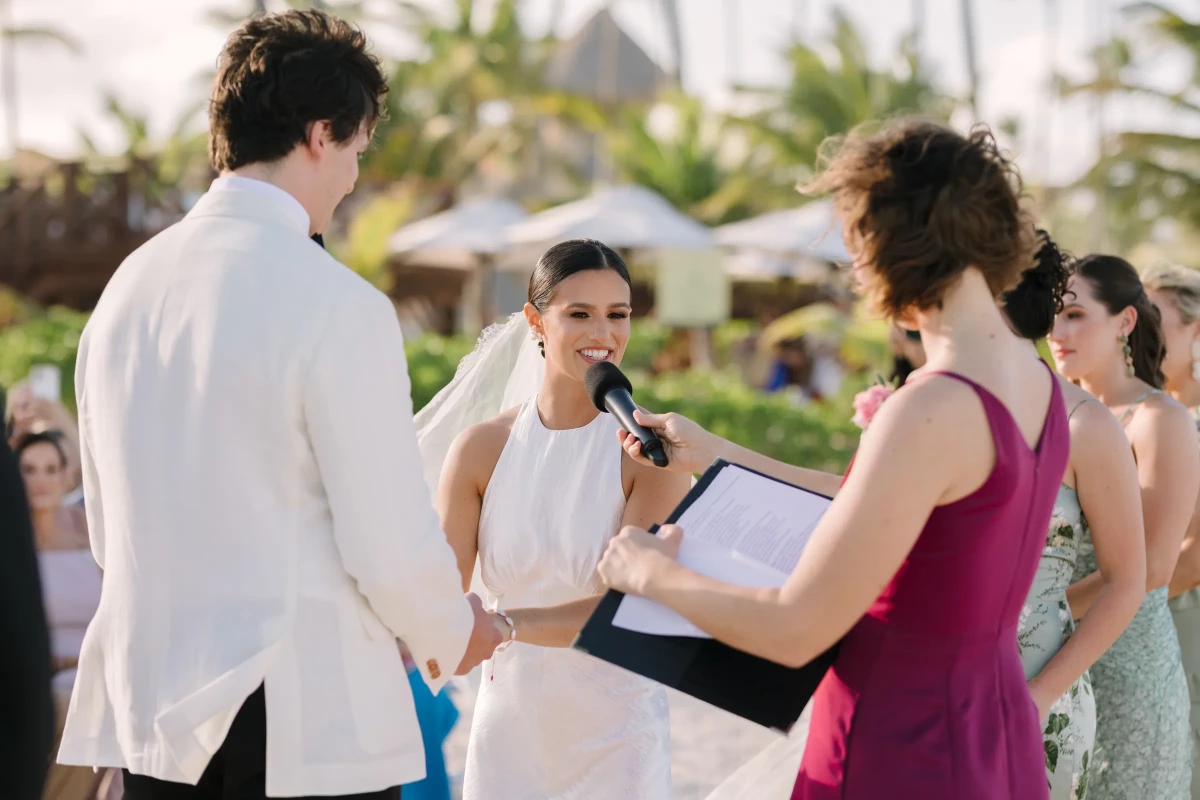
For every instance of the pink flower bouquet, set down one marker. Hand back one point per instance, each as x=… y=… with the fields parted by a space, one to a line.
x=867 y=403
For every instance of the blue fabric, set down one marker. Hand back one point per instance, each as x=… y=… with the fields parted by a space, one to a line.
x=778 y=377
x=437 y=717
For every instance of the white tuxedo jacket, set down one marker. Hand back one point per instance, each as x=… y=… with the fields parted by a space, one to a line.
x=255 y=498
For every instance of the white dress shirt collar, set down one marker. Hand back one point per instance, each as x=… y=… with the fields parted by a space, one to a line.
x=241 y=184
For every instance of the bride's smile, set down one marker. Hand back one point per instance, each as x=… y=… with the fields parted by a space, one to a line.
x=593 y=355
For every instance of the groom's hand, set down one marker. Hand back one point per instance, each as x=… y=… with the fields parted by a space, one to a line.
x=484 y=638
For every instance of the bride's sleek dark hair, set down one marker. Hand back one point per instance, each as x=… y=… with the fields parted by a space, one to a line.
x=566 y=259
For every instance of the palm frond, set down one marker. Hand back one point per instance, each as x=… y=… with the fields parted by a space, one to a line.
x=40 y=34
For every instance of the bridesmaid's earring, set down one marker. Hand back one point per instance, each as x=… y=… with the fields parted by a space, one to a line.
x=1128 y=351
x=1195 y=360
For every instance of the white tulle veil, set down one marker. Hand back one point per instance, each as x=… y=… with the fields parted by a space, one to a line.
x=504 y=370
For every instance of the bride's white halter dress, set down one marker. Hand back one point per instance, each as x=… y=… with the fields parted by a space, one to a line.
x=553 y=722
x=549 y=723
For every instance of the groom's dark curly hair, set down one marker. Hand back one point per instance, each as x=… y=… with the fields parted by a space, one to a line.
x=280 y=73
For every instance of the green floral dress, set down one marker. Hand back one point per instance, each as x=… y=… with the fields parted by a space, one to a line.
x=1185 y=610
x=1045 y=624
x=1142 y=745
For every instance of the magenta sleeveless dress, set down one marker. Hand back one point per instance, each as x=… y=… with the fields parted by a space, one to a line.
x=927 y=699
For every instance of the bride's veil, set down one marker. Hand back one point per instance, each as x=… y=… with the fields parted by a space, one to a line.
x=504 y=370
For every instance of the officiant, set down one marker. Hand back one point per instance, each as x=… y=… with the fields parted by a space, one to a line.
x=937 y=234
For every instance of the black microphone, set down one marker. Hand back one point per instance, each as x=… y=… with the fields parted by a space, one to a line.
x=611 y=391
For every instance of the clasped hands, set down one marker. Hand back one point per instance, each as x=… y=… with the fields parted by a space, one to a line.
x=487 y=634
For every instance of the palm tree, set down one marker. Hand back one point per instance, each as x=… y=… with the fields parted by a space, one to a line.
x=349 y=10
x=831 y=96
x=967 y=11
x=1145 y=176
x=695 y=165
x=733 y=55
x=799 y=20
x=436 y=132
x=675 y=37
x=174 y=160
x=10 y=36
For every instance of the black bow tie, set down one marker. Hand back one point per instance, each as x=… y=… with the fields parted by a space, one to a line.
x=319 y=239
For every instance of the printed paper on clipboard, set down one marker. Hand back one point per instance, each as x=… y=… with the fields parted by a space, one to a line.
x=746 y=529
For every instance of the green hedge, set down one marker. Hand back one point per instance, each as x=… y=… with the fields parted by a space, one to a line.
x=52 y=338
x=818 y=436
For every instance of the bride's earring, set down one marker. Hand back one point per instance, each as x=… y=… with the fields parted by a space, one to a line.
x=1196 y=359
x=1128 y=351
x=537 y=337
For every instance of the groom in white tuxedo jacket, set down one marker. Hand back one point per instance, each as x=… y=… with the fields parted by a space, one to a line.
x=253 y=486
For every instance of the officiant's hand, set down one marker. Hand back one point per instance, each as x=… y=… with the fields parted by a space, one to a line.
x=484 y=638
x=689 y=447
x=634 y=558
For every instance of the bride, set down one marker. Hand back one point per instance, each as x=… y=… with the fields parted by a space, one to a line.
x=532 y=484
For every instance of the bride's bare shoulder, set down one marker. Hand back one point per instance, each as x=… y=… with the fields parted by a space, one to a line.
x=484 y=441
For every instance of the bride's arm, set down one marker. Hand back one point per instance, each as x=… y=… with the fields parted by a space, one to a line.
x=465 y=475
x=654 y=495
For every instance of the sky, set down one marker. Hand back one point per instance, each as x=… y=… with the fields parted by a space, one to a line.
x=151 y=52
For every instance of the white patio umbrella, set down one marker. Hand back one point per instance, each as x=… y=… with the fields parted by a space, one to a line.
x=461 y=237
x=470 y=237
x=779 y=242
x=620 y=216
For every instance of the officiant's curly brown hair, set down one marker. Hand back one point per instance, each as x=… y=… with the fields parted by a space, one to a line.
x=919 y=203
x=280 y=73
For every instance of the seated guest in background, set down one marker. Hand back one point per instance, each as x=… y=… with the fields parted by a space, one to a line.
x=27 y=413
x=790 y=367
x=827 y=373
x=70 y=587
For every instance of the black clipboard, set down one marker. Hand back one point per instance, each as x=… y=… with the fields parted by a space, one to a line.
x=754 y=688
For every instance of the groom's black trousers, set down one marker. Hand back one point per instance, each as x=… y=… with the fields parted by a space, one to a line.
x=238 y=770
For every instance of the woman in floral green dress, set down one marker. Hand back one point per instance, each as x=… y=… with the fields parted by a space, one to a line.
x=1101 y=474
x=1109 y=338
x=1176 y=292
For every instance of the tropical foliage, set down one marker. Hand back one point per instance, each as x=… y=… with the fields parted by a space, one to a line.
x=831 y=94
x=818 y=436
x=1147 y=176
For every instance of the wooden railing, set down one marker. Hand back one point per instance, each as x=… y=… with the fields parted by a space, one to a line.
x=63 y=235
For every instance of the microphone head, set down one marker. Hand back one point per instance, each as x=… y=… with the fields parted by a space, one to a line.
x=601 y=378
